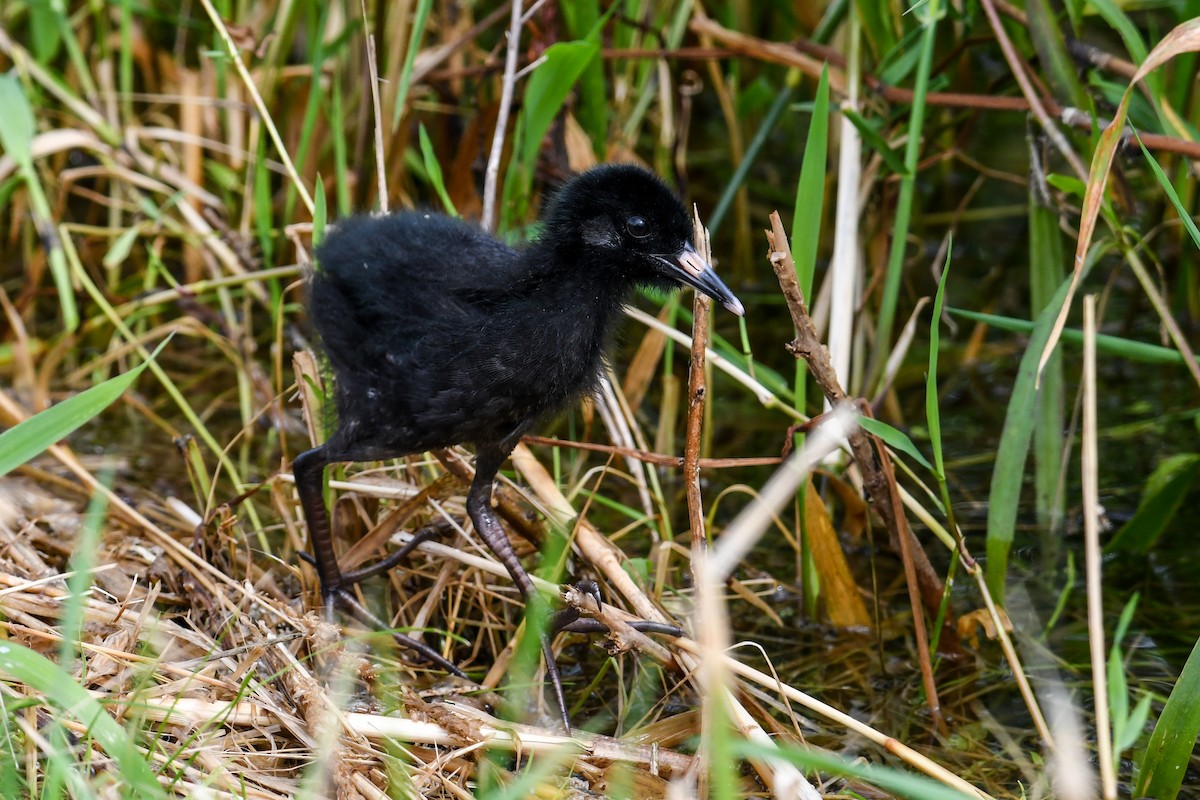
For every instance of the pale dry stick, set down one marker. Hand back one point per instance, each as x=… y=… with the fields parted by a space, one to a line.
x=198 y=712
x=711 y=622
x=25 y=585
x=620 y=424
x=191 y=290
x=764 y=395
x=648 y=456
x=846 y=267
x=899 y=351
x=60 y=140
x=259 y=105
x=1090 y=464
x=748 y=527
x=712 y=571
x=1166 y=318
x=492 y=174
x=1069 y=768
x=643 y=474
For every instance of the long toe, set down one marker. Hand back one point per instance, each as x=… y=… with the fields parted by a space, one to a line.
x=350 y=605
x=556 y=682
x=386 y=563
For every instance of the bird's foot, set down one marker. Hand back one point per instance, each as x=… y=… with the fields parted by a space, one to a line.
x=583 y=615
x=351 y=577
x=585 y=609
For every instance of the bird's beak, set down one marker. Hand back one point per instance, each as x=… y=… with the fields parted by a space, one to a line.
x=693 y=270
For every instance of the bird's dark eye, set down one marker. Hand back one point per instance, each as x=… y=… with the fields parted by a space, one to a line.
x=638 y=227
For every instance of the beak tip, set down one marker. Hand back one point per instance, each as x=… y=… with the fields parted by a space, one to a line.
x=735 y=305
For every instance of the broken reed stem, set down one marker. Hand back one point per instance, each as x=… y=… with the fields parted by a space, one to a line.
x=879 y=481
x=696 y=392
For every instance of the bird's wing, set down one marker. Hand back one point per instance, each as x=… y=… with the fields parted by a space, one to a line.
x=386 y=285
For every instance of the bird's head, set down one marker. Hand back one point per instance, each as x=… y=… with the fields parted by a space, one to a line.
x=624 y=218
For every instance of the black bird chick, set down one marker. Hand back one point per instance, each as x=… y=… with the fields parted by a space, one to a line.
x=438 y=334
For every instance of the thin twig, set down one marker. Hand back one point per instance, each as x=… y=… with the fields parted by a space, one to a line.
x=907 y=557
x=491 y=177
x=1035 y=104
x=380 y=168
x=649 y=457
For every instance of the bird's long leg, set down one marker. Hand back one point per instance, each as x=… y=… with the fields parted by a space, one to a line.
x=308 y=469
x=479 y=507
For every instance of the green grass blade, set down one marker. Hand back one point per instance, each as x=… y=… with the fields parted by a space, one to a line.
x=17 y=129
x=1166 y=489
x=1105 y=343
x=1165 y=762
x=61 y=691
x=810 y=190
x=548 y=88
x=434 y=171
x=933 y=415
x=1169 y=189
x=320 y=214
x=584 y=22
x=806 y=233
x=31 y=437
x=895 y=439
x=1009 y=470
x=895 y=781
x=547 y=91
x=1046 y=265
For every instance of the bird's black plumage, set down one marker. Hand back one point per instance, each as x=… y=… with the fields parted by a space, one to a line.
x=438 y=334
